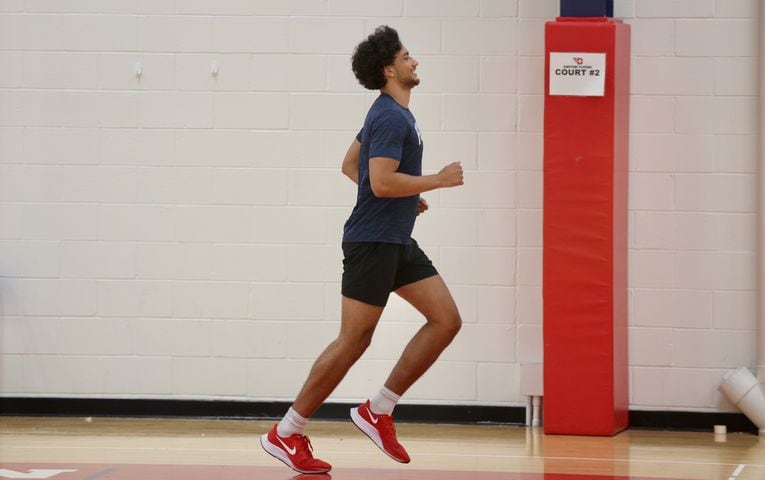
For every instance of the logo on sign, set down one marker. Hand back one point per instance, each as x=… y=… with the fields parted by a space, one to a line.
x=578 y=60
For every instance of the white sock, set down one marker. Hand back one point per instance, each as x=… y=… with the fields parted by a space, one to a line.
x=291 y=424
x=384 y=402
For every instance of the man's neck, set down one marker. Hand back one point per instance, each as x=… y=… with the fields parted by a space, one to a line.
x=399 y=94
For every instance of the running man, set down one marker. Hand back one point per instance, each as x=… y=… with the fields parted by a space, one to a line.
x=380 y=257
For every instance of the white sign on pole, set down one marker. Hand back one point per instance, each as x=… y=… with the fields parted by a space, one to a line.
x=577 y=73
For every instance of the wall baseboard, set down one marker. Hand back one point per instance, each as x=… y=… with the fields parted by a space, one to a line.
x=465 y=414
x=95 y=407
x=691 y=421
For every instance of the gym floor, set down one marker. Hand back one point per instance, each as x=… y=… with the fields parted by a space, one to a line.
x=182 y=449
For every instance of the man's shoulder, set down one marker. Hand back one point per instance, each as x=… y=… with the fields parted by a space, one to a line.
x=388 y=115
x=385 y=113
x=385 y=104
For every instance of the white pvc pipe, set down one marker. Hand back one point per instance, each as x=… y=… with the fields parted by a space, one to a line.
x=529 y=407
x=536 y=403
x=743 y=390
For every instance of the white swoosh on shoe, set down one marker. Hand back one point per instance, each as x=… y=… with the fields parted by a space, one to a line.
x=291 y=451
x=374 y=419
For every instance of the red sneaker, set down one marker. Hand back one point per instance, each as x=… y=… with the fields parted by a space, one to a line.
x=294 y=451
x=379 y=429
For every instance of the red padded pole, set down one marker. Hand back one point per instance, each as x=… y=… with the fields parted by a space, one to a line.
x=585 y=236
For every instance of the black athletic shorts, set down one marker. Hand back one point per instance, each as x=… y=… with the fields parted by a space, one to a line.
x=372 y=270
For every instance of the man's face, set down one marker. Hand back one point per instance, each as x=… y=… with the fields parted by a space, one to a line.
x=403 y=69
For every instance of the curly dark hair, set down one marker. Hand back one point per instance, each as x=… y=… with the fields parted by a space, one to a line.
x=373 y=55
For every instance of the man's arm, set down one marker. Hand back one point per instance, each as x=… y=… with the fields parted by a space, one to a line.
x=351 y=161
x=387 y=182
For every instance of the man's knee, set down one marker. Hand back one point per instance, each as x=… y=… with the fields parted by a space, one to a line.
x=449 y=322
x=357 y=341
x=455 y=324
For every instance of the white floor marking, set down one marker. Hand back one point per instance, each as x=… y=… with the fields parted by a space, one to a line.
x=737 y=472
x=34 y=473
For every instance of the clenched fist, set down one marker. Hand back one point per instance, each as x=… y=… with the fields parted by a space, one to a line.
x=451 y=175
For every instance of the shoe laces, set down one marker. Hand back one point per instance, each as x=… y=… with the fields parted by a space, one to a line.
x=386 y=422
x=305 y=447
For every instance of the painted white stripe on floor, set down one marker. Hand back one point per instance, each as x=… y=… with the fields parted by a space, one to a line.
x=737 y=472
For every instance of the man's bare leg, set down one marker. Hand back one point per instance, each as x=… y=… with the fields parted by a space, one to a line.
x=358 y=322
x=432 y=298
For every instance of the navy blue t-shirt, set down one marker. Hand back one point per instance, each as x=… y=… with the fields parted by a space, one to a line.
x=390 y=130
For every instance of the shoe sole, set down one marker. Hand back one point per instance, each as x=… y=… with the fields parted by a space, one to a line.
x=279 y=454
x=370 y=431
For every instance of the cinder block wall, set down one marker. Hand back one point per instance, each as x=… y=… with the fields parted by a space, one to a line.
x=177 y=235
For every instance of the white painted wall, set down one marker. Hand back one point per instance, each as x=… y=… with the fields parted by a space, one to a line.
x=177 y=235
